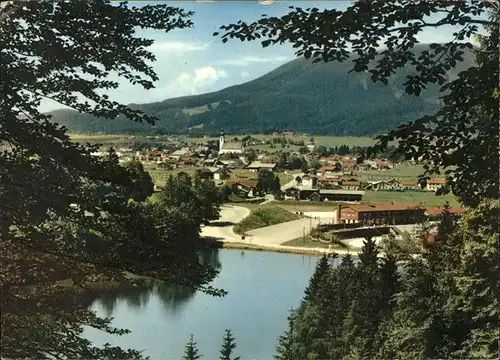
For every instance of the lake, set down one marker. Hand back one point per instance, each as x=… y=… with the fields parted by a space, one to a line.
x=262 y=287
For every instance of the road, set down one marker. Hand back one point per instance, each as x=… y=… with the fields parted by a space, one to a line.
x=222 y=229
x=270 y=237
x=280 y=233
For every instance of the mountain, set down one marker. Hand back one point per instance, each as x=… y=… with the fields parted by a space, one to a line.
x=322 y=98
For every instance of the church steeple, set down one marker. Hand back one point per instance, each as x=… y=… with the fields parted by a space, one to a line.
x=221 y=139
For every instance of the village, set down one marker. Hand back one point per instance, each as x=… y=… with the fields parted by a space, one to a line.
x=282 y=169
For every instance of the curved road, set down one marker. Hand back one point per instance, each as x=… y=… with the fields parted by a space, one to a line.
x=270 y=237
x=222 y=229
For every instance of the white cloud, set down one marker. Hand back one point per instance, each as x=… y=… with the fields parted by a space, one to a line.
x=192 y=84
x=176 y=46
x=248 y=60
x=244 y=74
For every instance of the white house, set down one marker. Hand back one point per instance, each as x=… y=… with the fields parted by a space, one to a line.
x=309 y=181
x=435 y=184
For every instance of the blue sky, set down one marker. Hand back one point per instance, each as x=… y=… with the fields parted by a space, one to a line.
x=192 y=61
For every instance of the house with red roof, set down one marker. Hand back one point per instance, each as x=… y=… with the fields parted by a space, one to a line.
x=435 y=184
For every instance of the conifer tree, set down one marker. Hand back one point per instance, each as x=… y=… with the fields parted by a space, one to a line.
x=477 y=282
x=388 y=280
x=285 y=350
x=228 y=346
x=191 y=350
x=322 y=268
x=388 y=286
x=369 y=253
x=338 y=295
x=362 y=324
x=442 y=252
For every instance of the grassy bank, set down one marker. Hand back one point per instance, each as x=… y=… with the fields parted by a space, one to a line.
x=306 y=242
x=264 y=216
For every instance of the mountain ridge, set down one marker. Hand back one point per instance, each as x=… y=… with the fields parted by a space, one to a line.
x=320 y=98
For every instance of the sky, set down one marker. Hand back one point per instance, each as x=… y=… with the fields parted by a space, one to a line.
x=192 y=61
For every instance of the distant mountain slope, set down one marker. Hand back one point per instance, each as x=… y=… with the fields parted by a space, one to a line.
x=299 y=96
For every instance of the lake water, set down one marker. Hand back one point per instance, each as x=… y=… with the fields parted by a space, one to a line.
x=262 y=287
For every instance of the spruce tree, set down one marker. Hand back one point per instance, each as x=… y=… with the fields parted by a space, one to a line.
x=286 y=342
x=362 y=323
x=228 y=346
x=389 y=284
x=338 y=295
x=322 y=268
x=369 y=253
x=417 y=330
x=477 y=282
x=191 y=351
x=442 y=252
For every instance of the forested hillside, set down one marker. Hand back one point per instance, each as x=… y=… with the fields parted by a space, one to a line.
x=300 y=96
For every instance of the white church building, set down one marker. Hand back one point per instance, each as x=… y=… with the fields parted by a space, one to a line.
x=230 y=147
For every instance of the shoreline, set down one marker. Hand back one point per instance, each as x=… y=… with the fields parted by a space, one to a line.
x=217 y=244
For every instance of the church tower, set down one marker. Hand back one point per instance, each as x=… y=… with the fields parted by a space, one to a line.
x=221 y=140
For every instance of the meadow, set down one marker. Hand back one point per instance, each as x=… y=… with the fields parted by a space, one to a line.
x=403 y=171
x=425 y=198
x=102 y=138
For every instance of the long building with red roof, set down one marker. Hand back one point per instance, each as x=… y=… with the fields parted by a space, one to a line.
x=383 y=214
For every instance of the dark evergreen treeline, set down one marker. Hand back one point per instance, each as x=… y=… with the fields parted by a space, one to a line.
x=441 y=303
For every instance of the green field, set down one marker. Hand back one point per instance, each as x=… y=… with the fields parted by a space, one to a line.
x=97 y=138
x=400 y=171
x=264 y=216
x=113 y=139
x=306 y=242
x=426 y=198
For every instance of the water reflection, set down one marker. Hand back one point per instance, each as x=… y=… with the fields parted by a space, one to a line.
x=211 y=258
x=172 y=296
x=262 y=287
